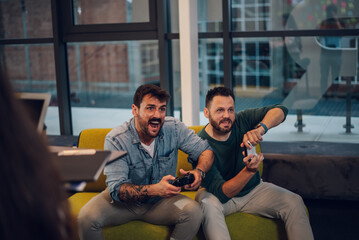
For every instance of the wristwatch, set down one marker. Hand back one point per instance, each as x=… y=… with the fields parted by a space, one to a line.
x=264 y=126
x=203 y=174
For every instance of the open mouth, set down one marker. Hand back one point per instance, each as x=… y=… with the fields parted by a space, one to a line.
x=155 y=124
x=226 y=122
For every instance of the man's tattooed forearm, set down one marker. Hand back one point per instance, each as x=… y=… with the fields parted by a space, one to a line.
x=131 y=192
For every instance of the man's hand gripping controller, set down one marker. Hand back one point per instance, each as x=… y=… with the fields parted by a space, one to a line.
x=184 y=180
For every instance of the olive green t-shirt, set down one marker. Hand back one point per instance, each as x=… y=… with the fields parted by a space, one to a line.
x=228 y=157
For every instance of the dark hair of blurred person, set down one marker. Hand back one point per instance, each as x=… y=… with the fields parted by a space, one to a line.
x=33 y=201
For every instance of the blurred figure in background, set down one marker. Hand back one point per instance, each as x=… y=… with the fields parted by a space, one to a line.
x=331 y=56
x=33 y=201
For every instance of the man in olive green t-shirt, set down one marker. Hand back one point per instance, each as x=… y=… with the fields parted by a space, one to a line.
x=233 y=184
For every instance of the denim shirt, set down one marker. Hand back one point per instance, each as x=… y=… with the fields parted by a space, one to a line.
x=137 y=166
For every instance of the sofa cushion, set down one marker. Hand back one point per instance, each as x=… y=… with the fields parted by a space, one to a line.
x=129 y=230
x=240 y=225
x=78 y=200
x=249 y=226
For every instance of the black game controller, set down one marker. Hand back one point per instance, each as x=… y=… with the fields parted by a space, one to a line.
x=184 y=180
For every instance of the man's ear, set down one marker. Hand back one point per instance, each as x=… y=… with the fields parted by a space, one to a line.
x=134 y=110
x=206 y=112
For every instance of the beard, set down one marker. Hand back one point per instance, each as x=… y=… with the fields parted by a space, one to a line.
x=150 y=128
x=217 y=126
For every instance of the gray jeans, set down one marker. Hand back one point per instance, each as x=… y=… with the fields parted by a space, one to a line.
x=266 y=200
x=179 y=210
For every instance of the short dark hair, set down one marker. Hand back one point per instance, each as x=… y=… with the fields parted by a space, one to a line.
x=218 y=91
x=151 y=89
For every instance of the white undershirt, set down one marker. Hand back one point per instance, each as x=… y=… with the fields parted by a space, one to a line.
x=150 y=149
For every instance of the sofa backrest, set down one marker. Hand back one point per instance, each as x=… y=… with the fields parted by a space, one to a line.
x=182 y=157
x=94 y=138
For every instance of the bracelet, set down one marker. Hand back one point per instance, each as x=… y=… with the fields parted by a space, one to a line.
x=264 y=126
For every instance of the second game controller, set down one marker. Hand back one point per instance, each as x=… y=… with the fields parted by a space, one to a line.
x=251 y=151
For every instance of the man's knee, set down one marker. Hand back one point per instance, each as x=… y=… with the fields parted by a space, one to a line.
x=209 y=202
x=294 y=203
x=293 y=200
x=88 y=220
x=192 y=212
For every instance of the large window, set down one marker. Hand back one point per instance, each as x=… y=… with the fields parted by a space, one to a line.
x=96 y=58
x=91 y=57
x=316 y=77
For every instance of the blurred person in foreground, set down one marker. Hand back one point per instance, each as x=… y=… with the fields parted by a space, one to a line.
x=234 y=184
x=139 y=183
x=33 y=202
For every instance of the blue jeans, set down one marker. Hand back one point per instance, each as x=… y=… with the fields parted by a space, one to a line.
x=101 y=211
x=267 y=200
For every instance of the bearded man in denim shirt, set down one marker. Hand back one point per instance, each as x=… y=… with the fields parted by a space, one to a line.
x=139 y=183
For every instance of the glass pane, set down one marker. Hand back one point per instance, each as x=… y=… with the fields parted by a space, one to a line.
x=31 y=68
x=209 y=15
x=25 y=19
x=305 y=75
x=104 y=77
x=174 y=16
x=251 y=65
x=259 y=15
x=210 y=57
x=110 y=11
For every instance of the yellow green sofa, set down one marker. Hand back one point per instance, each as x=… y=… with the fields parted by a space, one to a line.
x=240 y=225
